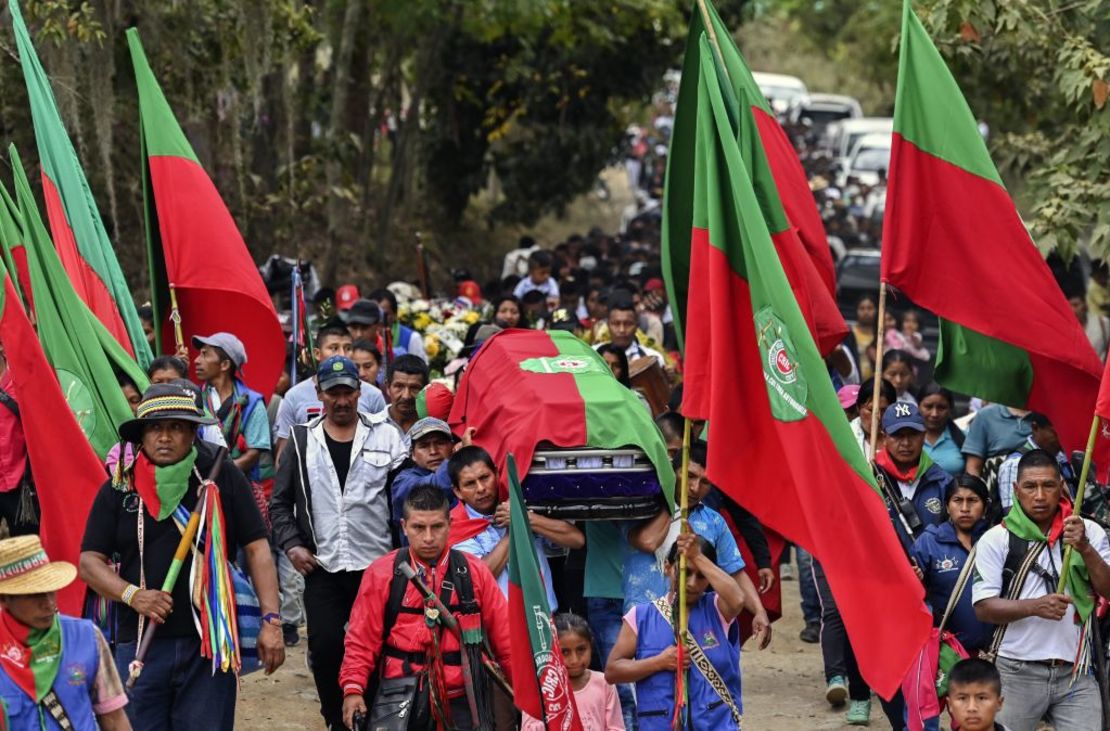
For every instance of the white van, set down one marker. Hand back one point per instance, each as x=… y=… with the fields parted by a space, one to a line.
x=843 y=138
x=870 y=156
x=781 y=90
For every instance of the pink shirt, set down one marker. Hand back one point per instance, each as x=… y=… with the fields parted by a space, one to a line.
x=13 y=455
x=598 y=707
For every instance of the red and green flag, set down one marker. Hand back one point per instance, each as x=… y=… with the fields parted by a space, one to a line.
x=11 y=242
x=541 y=686
x=67 y=471
x=785 y=199
x=194 y=246
x=753 y=369
x=78 y=231
x=954 y=243
x=516 y=371
x=86 y=358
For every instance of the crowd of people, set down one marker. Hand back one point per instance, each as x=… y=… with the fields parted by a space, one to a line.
x=349 y=508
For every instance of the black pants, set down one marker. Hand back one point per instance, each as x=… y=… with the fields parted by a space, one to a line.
x=839 y=657
x=328 y=598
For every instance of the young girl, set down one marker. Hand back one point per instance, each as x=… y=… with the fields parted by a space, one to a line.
x=898 y=368
x=645 y=653
x=903 y=332
x=596 y=701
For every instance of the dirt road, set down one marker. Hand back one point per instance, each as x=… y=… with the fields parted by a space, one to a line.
x=783 y=688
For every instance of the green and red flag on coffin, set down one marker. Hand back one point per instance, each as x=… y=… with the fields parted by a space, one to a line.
x=194 y=245
x=780 y=183
x=67 y=471
x=541 y=686
x=1007 y=332
x=82 y=242
x=85 y=356
x=754 y=369
x=524 y=387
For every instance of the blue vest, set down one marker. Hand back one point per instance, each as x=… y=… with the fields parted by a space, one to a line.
x=74 y=684
x=655 y=693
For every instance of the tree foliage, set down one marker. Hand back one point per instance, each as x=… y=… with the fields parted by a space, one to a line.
x=1036 y=71
x=336 y=128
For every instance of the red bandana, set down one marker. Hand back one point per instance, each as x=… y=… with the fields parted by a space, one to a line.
x=883 y=460
x=463 y=527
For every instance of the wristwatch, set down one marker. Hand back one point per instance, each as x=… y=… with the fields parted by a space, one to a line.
x=272 y=618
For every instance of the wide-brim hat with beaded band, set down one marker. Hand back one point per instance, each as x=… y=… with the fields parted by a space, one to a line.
x=162 y=402
x=26 y=569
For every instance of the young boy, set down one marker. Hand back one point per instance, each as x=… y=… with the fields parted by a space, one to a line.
x=539 y=277
x=975 y=695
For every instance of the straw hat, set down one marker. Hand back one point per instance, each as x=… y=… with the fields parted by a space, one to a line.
x=25 y=568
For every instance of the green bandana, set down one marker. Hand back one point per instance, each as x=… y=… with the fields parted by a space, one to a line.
x=1078 y=584
x=31 y=656
x=162 y=488
x=924 y=463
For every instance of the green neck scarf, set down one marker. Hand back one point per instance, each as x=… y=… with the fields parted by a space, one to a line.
x=31 y=657
x=1078 y=584
x=162 y=488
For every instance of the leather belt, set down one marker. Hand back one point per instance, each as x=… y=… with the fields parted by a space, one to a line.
x=1055 y=663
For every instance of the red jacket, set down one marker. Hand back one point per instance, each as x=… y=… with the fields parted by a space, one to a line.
x=363 y=645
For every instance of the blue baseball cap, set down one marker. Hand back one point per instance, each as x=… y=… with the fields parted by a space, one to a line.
x=902 y=415
x=337 y=370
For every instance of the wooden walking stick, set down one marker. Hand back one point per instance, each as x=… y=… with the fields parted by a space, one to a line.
x=179 y=556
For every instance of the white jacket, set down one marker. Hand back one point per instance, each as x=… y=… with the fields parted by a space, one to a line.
x=351 y=525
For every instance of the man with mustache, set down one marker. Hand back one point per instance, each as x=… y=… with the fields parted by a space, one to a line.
x=404 y=379
x=331 y=514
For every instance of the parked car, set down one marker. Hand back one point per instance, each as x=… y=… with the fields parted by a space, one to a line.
x=842 y=136
x=782 y=91
x=823 y=110
x=857 y=274
x=869 y=161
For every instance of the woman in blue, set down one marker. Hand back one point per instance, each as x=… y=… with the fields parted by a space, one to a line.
x=943 y=438
x=645 y=652
x=941 y=553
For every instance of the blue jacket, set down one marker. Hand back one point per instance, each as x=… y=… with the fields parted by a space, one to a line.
x=928 y=496
x=655 y=693
x=941 y=557
x=410 y=477
x=74 y=683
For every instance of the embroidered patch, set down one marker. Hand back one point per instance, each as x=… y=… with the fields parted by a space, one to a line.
x=709 y=640
x=933 y=505
x=946 y=564
x=13 y=654
x=786 y=385
x=76 y=674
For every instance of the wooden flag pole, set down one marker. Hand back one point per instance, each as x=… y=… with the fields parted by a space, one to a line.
x=175 y=318
x=684 y=506
x=683 y=622
x=1095 y=423
x=878 y=370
